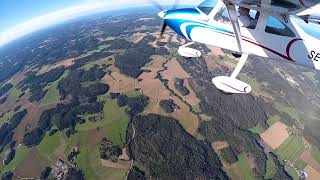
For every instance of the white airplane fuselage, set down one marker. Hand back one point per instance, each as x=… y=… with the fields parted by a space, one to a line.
x=297 y=47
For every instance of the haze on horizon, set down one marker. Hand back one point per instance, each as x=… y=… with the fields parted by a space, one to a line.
x=19 y=19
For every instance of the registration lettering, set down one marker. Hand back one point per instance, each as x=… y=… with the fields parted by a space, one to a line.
x=314 y=56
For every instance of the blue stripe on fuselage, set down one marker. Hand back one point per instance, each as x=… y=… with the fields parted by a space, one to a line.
x=175 y=25
x=175 y=18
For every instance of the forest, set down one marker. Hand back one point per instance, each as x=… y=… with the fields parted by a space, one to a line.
x=90 y=58
x=6 y=130
x=168 y=105
x=73 y=84
x=135 y=104
x=136 y=55
x=230 y=123
x=183 y=158
x=52 y=45
x=136 y=174
x=64 y=116
x=37 y=83
x=3 y=100
x=179 y=85
x=109 y=151
x=4 y=89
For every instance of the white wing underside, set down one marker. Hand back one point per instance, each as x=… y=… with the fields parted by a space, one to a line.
x=292 y=7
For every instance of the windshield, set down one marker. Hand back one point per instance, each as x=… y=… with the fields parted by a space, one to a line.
x=310 y=28
x=207 y=6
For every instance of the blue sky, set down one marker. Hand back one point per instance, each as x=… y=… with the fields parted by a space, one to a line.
x=21 y=17
x=13 y=12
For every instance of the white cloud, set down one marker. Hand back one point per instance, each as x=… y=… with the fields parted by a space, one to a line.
x=89 y=6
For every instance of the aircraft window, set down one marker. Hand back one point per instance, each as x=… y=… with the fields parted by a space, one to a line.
x=275 y=26
x=222 y=16
x=248 y=18
x=207 y=6
x=252 y=17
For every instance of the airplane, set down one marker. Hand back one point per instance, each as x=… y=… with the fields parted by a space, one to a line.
x=271 y=33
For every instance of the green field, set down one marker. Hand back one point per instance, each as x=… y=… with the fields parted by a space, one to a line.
x=229 y=59
x=6 y=117
x=270 y=168
x=98 y=49
x=89 y=124
x=291 y=148
x=115 y=121
x=311 y=75
x=102 y=47
x=289 y=110
x=133 y=93
x=133 y=38
x=273 y=119
x=52 y=96
x=300 y=164
x=244 y=167
x=197 y=108
x=89 y=159
x=315 y=152
x=292 y=172
x=252 y=82
x=84 y=159
x=99 y=62
x=257 y=129
x=13 y=95
x=49 y=144
x=21 y=153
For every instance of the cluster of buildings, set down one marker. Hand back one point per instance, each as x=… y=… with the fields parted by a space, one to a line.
x=62 y=168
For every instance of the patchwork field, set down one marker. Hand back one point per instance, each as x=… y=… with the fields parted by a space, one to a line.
x=291 y=148
x=89 y=159
x=315 y=152
x=114 y=119
x=244 y=167
x=47 y=68
x=275 y=135
x=257 y=129
x=312 y=173
x=273 y=119
x=270 y=168
x=21 y=153
x=156 y=90
x=52 y=95
x=32 y=164
x=119 y=82
x=219 y=145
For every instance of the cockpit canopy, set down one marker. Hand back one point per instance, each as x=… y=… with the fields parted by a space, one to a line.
x=207 y=6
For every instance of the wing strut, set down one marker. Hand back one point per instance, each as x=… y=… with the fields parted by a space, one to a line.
x=239 y=66
x=235 y=23
x=231 y=85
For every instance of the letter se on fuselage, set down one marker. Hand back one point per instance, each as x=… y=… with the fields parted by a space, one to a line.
x=314 y=56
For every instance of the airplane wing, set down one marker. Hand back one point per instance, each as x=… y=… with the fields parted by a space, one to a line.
x=292 y=7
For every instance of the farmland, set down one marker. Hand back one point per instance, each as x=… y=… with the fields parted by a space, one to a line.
x=52 y=95
x=21 y=153
x=270 y=169
x=275 y=135
x=244 y=167
x=291 y=148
